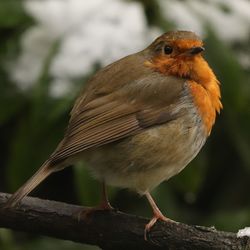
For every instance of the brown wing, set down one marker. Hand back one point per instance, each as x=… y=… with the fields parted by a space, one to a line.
x=108 y=116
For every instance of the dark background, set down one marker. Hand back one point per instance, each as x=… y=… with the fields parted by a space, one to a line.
x=212 y=191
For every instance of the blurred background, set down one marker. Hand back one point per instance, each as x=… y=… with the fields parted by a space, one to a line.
x=48 y=50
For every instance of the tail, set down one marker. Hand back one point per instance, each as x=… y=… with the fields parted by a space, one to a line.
x=43 y=172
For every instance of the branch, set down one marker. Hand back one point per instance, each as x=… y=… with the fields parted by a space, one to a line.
x=111 y=230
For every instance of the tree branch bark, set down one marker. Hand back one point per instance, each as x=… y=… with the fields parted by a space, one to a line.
x=111 y=230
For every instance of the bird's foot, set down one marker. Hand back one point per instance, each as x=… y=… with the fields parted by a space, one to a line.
x=105 y=205
x=86 y=213
x=157 y=216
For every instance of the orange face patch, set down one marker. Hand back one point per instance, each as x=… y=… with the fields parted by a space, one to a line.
x=203 y=84
x=180 y=62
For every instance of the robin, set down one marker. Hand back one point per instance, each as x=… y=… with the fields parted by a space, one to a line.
x=140 y=120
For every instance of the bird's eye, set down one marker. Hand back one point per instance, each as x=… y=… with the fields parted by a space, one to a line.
x=168 y=50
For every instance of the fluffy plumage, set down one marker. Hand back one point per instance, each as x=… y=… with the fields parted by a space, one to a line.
x=142 y=119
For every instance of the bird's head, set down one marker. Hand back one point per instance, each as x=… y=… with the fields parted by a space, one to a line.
x=177 y=44
x=176 y=53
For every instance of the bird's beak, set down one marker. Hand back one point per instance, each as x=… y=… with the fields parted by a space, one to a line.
x=196 y=50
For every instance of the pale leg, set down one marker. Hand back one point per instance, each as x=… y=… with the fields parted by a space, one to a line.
x=104 y=204
x=157 y=214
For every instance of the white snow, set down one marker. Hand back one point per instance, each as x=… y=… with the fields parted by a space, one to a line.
x=180 y=14
x=196 y=15
x=35 y=44
x=89 y=32
x=229 y=26
x=93 y=32
x=244 y=232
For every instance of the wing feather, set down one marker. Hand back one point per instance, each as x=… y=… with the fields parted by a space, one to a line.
x=119 y=114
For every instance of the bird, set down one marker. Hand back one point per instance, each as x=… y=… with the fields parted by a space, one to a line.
x=140 y=120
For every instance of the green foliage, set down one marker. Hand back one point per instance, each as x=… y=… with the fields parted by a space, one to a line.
x=12 y=14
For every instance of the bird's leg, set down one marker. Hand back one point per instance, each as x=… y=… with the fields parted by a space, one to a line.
x=157 y=215
x=104 y=204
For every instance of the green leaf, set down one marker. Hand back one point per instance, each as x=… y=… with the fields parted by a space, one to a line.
x=12 y=13
x=229 y=220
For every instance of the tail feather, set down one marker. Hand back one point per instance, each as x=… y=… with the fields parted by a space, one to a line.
x=43 y=172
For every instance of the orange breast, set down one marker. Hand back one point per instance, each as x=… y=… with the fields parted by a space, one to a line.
x=202 y=99
x=203 y=84
x=205 y=89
